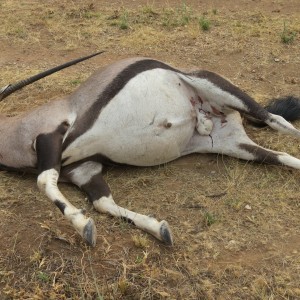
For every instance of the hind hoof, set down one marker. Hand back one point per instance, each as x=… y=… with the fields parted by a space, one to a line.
x=165 y=233
x=89 y=233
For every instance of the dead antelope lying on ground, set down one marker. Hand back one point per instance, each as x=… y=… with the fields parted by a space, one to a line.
x=140 y=112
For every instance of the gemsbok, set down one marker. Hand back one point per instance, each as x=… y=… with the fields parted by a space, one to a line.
x=137 y=111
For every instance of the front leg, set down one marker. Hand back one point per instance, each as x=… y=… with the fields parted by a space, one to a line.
x=49 y=149
x=88 y=177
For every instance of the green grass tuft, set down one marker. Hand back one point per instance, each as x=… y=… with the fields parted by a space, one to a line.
x=209 y=219
x=124 y=21
x=204 y=23
x=287 y=36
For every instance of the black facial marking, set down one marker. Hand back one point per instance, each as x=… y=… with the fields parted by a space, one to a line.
x=60 y=205
x=261 y=155
x=111 y=90
x=255 y=109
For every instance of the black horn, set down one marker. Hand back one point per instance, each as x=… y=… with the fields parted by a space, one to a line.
x=9 y=89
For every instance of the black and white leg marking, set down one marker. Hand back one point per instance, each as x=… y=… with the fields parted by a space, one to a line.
x=225 y=96
x=232 y=140
x=48 y=149
x=88 y=177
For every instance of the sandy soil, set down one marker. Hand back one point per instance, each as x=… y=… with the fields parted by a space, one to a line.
x=236 y=224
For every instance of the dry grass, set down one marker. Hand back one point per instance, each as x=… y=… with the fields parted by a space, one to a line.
x=236 y=224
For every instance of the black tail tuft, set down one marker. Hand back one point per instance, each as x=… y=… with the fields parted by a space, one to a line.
x=287 y=107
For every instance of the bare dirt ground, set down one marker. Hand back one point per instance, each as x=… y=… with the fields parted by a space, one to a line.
x=236 y=224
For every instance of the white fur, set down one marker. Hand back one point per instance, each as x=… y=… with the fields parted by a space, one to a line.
x=289 y=160
x=47 y=183
x=204 y=124
x=280 y=124
x=83 y=173
x=132 y=128
x=224 y=139
x=213 y=94
x=148 y=224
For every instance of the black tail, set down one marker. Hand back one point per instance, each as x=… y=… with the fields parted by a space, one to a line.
x=287 y=107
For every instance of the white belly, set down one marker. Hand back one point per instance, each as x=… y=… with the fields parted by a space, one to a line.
x=149 y=122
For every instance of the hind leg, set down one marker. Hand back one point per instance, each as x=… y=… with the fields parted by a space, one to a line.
x=232 y=140
x=225 y=97
x=88 y=176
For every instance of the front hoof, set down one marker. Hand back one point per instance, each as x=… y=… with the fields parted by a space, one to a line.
x=165 y=233
x=89 y=233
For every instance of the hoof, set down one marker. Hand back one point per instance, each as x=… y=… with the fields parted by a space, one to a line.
x=89 y=233
x=165 y=233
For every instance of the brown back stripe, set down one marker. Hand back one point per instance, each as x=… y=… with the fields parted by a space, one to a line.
x=112 y=89
x=118 y=83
